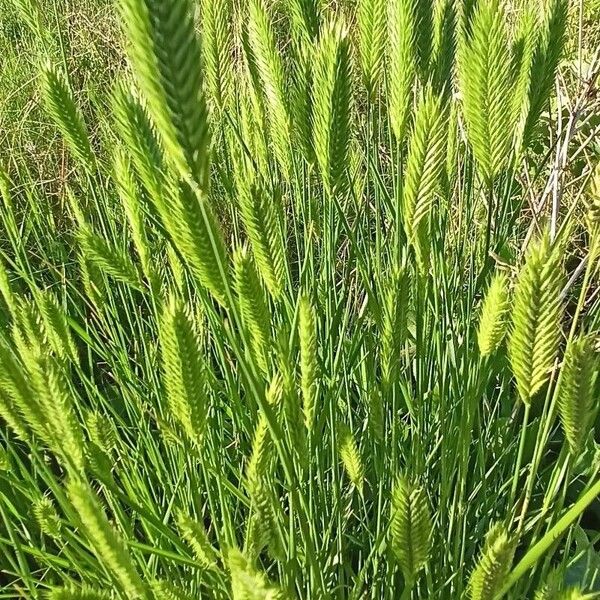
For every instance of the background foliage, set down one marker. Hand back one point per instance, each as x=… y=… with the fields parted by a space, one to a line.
x=299 y=300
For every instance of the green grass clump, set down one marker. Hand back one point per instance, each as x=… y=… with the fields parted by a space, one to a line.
x=312 y=312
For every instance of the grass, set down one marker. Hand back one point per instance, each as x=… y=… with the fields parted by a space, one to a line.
x=72 y=38
x=308 y=306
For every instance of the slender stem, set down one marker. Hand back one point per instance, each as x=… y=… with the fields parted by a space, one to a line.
x=488 y=232
x=407 y=591
x=538 y=550
x=517 y=471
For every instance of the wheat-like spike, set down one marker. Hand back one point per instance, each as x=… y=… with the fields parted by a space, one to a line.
x=261 y=528
x=253 y=157
x=61 y=106
x=10 y=413
x=109 y=259
x=291 y=401
x=5 y=462
x=31 y=327
x=394 y=324
x=140 y=140
x=55 y=400
x=193 y=227
x=547 y=55
x=536 y=317
x=17 y=407
x=493 y=318
x=574 y=593
x=78 y=593
x=487 y=80
x=351 y=457
x=167 y=59
x=466 y=11
x=260 y=463
x=164 y=590
x=410 y=527
x=56 y=327
x=576 y=393
x=493 y=565
x=444 y=46
x=183 y=369
x=275 y=391
x=201 y=324
x=92 y=282
x=550 y=589
x=49 y=329
x=130 y=195
x=305 y=18
x=101 y=431
x=31 y=13
x=424 y=34
x=262 y=216
x=332 y=106
x=309 y=371
x=217 y=51
x=253 y=307
x=194 y=533
x=107 y=544
x=247 y=583
x=78 y=211
x=524 y=47
x=252 y=101
x=175 y=268
x=267 y=61
x=47 y=518
x=424 y=168
x=261 y=458
x=18 y=404
x=302 y=100
x=100 y=462
x=256 y=536
x=28 y=331
x=371 y=23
